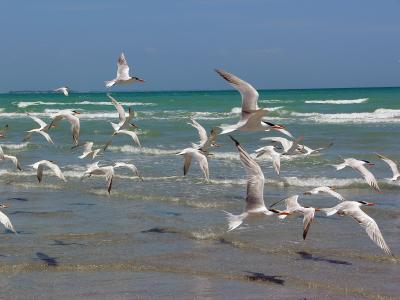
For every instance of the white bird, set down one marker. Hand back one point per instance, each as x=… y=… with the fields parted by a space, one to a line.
x=205 y=141
x=325 y=189
x=131 y=167
x=124 y=121
x=132 y=134
x=292 y=206
x=359 y=166
x=42 y=130
x=289 y=147
x=275 y=156
x=69 y=115
x=63 y=89
x=255 y=205
x=14 y=160
x=352 y=209
x=5 y=220
x=308 y=151
x=251 y=118
x=107 y=171
x=88 y=152
x=123 y=76
x=188 y=154
x=39 y=166
x=1 y=153
x=392 y=165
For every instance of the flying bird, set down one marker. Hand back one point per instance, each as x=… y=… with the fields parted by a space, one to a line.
x=275 y=156
x=14 y=160
x=39 y=166
x=255 y=205
x=353 y=209
x=251 y=118
x=63 y=89
x=5 y=220
x=325 y=189
x=188 y=154
x=308 y=151
x=123 y=76
x=88 y=152
x=70 y=116
x=107 y=171
x=292 y=206
x=42 y=130
x=131 y=167
x=392 y=165
x=124 y=121
x=205 y=141
x=359 y=166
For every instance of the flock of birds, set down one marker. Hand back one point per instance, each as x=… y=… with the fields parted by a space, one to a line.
x=251 y=120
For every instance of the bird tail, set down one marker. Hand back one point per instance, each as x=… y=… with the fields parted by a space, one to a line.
x=234 y=221
x=115 y=126
x=109 y=83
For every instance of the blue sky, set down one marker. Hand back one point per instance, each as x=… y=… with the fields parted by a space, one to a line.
x=176 y=44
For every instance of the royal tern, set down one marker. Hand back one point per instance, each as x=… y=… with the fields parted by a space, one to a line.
x=63 y=89
x=69 y=115
x=123 y=76
x=107 y=171
x=359 y=166
x=292 y=206
x=88 y=152
x=392 y=165
x=39 y=166
x=5 y=220
x=205 y=141
x=251 y=118
x=308 y=151
x=325 y=189
x=131 y=167
x=42 y=130
x=188 y=154
x=124 y=121
x=255 y=205
x=275 y=156
x=352 y=209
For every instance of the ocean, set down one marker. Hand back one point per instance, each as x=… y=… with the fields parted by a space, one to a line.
x=166 y=237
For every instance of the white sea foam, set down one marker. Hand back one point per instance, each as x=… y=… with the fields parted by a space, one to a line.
x=238 y=110
x=275 y=101
x=381 y=115
x=15 y=146
x=24 y=104
x=143 y=150
x=330 y=101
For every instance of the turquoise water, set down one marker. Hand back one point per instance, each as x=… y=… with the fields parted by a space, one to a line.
x=166 y=236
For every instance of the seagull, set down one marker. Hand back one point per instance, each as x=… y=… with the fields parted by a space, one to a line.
x=292 y=206
x=87 y=149
x=392 y=165
x=63 y=89
x=124 y=121
x=42 y=130
x=251 y=118
x=352 y=209
x=72 y=119
x=188 y=154
x=108 y=171
x=14 y=161
x=131 y=167
x=325 y=189
x=255 y=190
x=359 y=166
x=39 y=166
x=5 y=220
x=132 y=134
x=122 y=74
x=205 y=141
x=275 y=156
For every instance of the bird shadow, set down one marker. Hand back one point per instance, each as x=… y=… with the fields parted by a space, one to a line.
x=50 y=261
x=18 y=199
x=158 y=230
x=83 y=204
x=308 y=256
x=256 y=276
x=62 y=243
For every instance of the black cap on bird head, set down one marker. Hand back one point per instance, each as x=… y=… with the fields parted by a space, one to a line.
x=366 y=203
x=275 y=126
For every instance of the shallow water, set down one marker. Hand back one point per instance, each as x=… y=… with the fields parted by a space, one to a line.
x=166 y=237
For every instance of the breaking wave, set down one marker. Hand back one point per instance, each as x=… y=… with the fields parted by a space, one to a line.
x=24 y=104
x=353 y=101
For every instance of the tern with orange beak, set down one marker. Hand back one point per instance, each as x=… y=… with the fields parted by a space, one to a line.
x=123 y=76
x=325 y=189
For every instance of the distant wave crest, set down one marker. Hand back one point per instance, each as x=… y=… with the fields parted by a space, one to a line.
x=353 y=101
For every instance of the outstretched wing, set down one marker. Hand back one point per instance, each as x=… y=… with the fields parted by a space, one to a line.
x=123 y=68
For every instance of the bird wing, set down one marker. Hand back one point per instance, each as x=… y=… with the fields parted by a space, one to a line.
x=202 y=132
x=132 y=134
x=123 y=68
x=286 y=144
x=292 y=204
x=119 y=108
x=276 y=161
x=392 y=165
x=6 y=222
x=87 y=147
x=109 y=173
x=334 y=194
x=187 y=161
x=46 y=136
x=368 y=176
x=371 y=228
x=307 y=220
x=202 y=159
x=14 y=161
x=255 y=179
x=294 y=145
x=75 y=126
x=56 y=169
x=41 y=123
x=248 y=93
